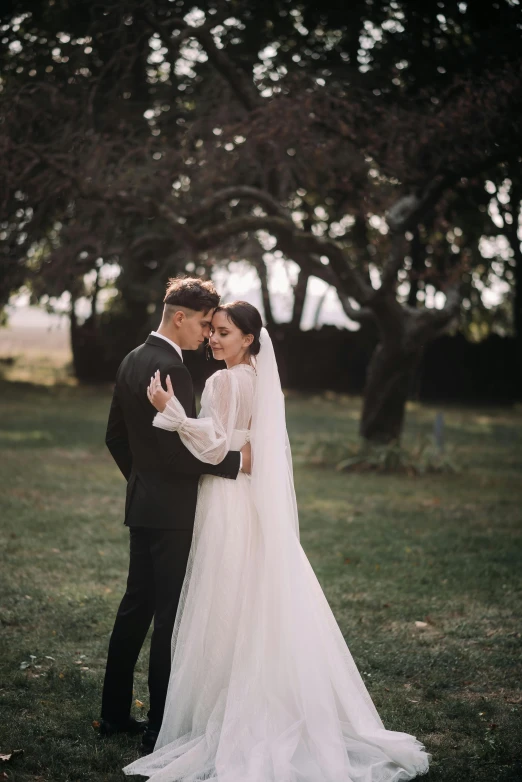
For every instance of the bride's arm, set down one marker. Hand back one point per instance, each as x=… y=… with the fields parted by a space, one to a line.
x=206 y=438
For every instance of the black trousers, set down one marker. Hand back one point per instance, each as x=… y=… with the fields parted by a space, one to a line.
x=158 y=561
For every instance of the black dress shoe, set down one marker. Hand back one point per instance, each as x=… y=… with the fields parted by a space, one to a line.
x=131 y=726
x=148 y=740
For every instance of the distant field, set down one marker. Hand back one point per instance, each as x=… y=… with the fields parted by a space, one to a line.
x=35 y=351
x=423 y=575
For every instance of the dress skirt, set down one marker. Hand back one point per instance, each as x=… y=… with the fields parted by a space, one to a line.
x=263 y=687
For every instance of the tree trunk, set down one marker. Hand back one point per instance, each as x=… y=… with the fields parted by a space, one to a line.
x=265 y=293
x=88 y=351
x=417 y=264
x=299 y=298
x=99 y=345
x=94 y=299
x=512 y=236
x=511 y=231
x=319 y=307
x=388 y=382
x=517 y=300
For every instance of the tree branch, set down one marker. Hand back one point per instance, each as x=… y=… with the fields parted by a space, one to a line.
x=218 y=233
x=361 y=315
x=272 y=206
x=243 y=89
x=430 y=323
x=394 y=262
x=410 y=208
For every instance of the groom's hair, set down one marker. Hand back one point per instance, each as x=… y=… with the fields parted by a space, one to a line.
x=190 y=293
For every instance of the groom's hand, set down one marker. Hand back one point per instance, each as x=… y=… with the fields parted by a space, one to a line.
x=246 y=454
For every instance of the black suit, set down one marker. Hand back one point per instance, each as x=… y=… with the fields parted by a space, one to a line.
x=162 y=483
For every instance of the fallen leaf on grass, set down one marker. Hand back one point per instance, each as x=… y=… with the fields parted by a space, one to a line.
x=10 y=755
x=95 y=724
x=139 y=704
x=421 y=624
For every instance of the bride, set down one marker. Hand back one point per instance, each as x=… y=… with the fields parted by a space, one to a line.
x=262 y=687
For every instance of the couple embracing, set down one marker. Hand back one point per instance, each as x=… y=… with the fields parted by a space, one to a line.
x=250 y=678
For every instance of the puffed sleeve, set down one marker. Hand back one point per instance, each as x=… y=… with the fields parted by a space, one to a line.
x=208 y=437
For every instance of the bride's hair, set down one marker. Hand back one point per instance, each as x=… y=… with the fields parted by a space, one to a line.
x=247 y=318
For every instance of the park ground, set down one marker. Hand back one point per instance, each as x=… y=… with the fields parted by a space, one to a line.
x=422 y=572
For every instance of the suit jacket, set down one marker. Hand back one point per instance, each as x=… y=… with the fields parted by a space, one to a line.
x=162 y=475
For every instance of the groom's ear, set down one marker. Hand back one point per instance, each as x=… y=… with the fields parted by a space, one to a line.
x=178 y=318
x=172 y=313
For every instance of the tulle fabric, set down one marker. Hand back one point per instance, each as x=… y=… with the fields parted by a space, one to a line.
x=263 y=687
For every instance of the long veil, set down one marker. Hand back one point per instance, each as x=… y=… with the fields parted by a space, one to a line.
x=272 y=473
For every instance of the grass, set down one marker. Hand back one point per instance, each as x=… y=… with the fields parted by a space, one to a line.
x=390 y=552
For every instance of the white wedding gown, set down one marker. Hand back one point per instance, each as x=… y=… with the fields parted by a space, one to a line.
x=263 y=687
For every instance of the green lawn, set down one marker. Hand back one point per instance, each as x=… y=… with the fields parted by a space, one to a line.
x=390 y=552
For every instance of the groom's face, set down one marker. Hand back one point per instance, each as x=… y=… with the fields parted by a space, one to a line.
x=194 y=329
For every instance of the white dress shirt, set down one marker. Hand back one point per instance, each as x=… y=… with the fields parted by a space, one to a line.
x=177 y=347
x=162 y=336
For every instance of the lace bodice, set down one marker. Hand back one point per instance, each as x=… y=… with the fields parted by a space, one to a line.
x=229 y=393
x=224 y=420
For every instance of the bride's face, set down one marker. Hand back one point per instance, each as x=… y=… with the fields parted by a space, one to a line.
x=227 y=341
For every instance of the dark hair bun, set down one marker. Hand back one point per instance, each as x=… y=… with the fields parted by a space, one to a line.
x=247 y=318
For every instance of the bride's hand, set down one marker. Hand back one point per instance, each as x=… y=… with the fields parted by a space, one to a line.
x=155 y=393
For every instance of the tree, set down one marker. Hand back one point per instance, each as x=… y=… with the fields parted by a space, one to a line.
x=281 y=127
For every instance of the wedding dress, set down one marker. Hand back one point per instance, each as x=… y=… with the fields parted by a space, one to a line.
x=262 y=687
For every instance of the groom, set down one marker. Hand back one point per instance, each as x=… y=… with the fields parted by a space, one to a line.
x=162 y=483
